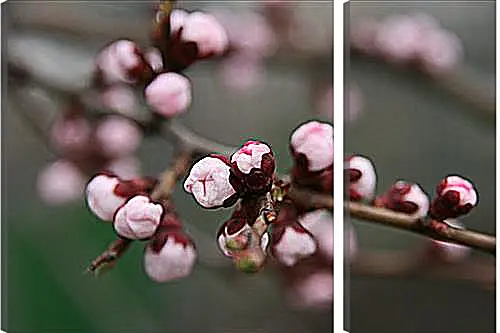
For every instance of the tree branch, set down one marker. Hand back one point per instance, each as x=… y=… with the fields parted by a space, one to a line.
x=442 y=231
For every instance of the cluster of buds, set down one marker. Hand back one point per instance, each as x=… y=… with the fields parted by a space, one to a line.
x=409 y=39
x=264 y=221
x=179 y=39
x=86 y=146
x=455 y=197
x=169 y=254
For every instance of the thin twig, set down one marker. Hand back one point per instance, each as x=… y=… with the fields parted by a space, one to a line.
x=162 y=191
x=480 y=241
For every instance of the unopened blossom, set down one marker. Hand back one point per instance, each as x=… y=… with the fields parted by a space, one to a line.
x=241 y=72
x=254 y=165
x=291 y=243
x=455 y=196
x=118 y=136
x=314 y=140
x=441 y=51
x=314 y=290
x=405 y=197
x=169 y=94
x=170 y=258
x=102 y=199
x=362 y=178
x=60 y=182
x=363 y=33
x=70 y=134
x=398 y=38
x=121 y=99
x=121 y=61
x=203 y=29
x=138 y=218
x=320 y=224
x=208 y=182
x=233 y=235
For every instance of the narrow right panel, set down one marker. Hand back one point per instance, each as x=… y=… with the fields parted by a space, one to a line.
x=420 y=167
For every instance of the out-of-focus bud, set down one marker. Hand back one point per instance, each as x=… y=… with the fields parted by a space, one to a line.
x=120 y=61
x=314 y=140
x=208 y=182
x=362 y=178
x=455 y=196
x=314 y=290
x=70 y=134
x=253 y=164
x=202 y=29
x=118 y=136
x=398 y=38
x=102 y=198
x=121 y=99
x=169 y=94
x=406 y=198
x=320 y=224
x=138 y=218
x=60 y=183
x=291 y=243
x=363 y=32
x=242 y=72
x=441 y=51
x=169 y=256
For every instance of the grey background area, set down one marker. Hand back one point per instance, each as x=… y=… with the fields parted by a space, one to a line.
x=46 y=249
x=414 y=129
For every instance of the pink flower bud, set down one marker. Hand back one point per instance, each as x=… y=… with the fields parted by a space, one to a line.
x=455 y=196
x=138 y=218
x=118 y=136
x=253 y=164
x=208 y=182
x=362 y=178
x=101 y=197
x=169 y=94
x=241 y=72
x=315 y=141
x=250 y=156
x=441 y=51
x=206 y=31
x=60 y=183
x=121 y=99
x=174 y=259
x=320 y=224
x=398 y=38
x=177 y=19
x=406 y=198
x=314 y=290
x=70 y=134
x=233 y=235
x=119 y=61
x=291 y=243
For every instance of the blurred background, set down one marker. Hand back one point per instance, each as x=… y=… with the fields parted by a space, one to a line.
x=47 y=247
x=425 y=76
